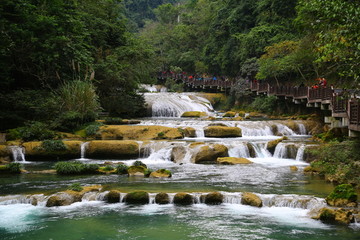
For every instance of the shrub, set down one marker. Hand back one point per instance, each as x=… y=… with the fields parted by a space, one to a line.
x=264 y=104
x=92 y=129
x=343 y=191
x=139 y=163
x=108 y=168
x=35 y=131
x=122 y=169
x=161 y=134
x=13 y=167
x=76 y=187
x=53 y=145
x=72 y=168
x=113 y=121
x=147 y=172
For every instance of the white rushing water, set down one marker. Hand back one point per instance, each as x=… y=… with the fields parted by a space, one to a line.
x=83 y=148
x=18 y=153
x=175 y=104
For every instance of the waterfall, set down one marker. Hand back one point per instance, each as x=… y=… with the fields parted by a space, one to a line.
x=300 y=153
x=260 y=149
x=280 y=151
x=302 y=129
x=175 y=104
x=83 y=148
x=159 y=151
x=200 y=132
x=293 y=201
x=18 y=153
x=239 y=150
x=284 y=130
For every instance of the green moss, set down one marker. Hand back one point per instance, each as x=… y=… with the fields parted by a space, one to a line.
x=75 y=187
x=139 y=163
x=138 y=197
x=344 y=191
x=327 y=216
x=53 y=145
x=73 y=168
x=122 y=169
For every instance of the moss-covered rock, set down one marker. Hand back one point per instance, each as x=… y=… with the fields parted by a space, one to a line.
x=162 y=198
x=194 y=114
x=222 y=132
x=294 y=168
x=35 y=151
x=183 y=199
x=342 y=196
x=4 y=151
x=139 y=171
x=214 y=198
x=293 y=126
x=229 y=114
x=272 y=144
x=251 y=199
x=62 y=199
x=251 y=150
x=189 y=132
x=161 y=173
x=178 y=154
x=113 y=149
x=113 y=196
x=311 y=170
x=138 y=132
x=210 y=153
x=233 y=161
x=335 y=216
x=138 y=197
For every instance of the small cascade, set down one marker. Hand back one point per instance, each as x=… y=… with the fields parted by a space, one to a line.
x=232 y=198
x=152 y=198
x=281 y=151
x=300 y=153
x=158 y=151
x=238 y=150
x=293 y=201
x=200 y=132
x=284 y=130
x=175 y=104
x=83 y=148
x=18 y=153
x=302 y=129
x=94 y=196
x=260 y=149
x=256 y=131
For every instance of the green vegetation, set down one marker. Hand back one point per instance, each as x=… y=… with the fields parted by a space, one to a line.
x=75 y=187
x=122 y=169
x=264 y=104
x=139 y=163
x=92 y=129
x=343 y=191
x=113 y=121
x=338 y=162
x=53 y=145
x=13 y=168
x=73 y=168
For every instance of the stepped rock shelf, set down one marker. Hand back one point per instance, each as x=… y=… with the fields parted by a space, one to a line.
x=237 y=176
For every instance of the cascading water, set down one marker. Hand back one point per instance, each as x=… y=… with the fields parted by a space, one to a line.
x=238 y=149
x=260 y=150
x=83 y=148
x=302 y=129
x=280 y=151
x=175 y=104
x=300 y=153
x=18 y=153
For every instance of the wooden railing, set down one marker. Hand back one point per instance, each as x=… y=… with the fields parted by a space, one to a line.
x=354 y=112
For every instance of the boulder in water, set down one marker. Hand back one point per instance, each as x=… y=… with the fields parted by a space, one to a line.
x=183 y=199
x=113 y=149
x=222 y=132
x=214 y=198
x=189 y=132
x=294 y=168
x=139 y=171
x=272 y=144
x=161 y=173
x=138 y=197
x=36 y=151
x=343 y=195
x=194 y=114
x=229 y=114
x=209 y=154
x=113 y=196
x=137 y=132
x=62 y=199
x=4 y=154
x=233 y=161
x=251 y=150
x=178 y=154
x=335 y=216
x=162 y=198
x=251 y=199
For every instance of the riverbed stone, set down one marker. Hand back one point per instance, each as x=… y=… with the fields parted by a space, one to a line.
x=229 y=114
x=272 y=144
x=138 y=197
x=34 y=151
x=251 y=199
x=162 y=198
x=113 y=196
x=183 y=199
x=251 y=150
x=233 y=161
x=62 y=199
x=210 y=153
x=222 y=132
x=189 y=132
x=113 y=149
x=137 y=171
x=161 y=173
x=138 y=132
x=178 y=154
x=214 y=198
x=194 y=114
x=335 y=216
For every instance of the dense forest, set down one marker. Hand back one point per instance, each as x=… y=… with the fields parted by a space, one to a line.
x=64 y=61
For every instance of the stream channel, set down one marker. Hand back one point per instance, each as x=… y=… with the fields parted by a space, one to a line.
x=289 y=197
